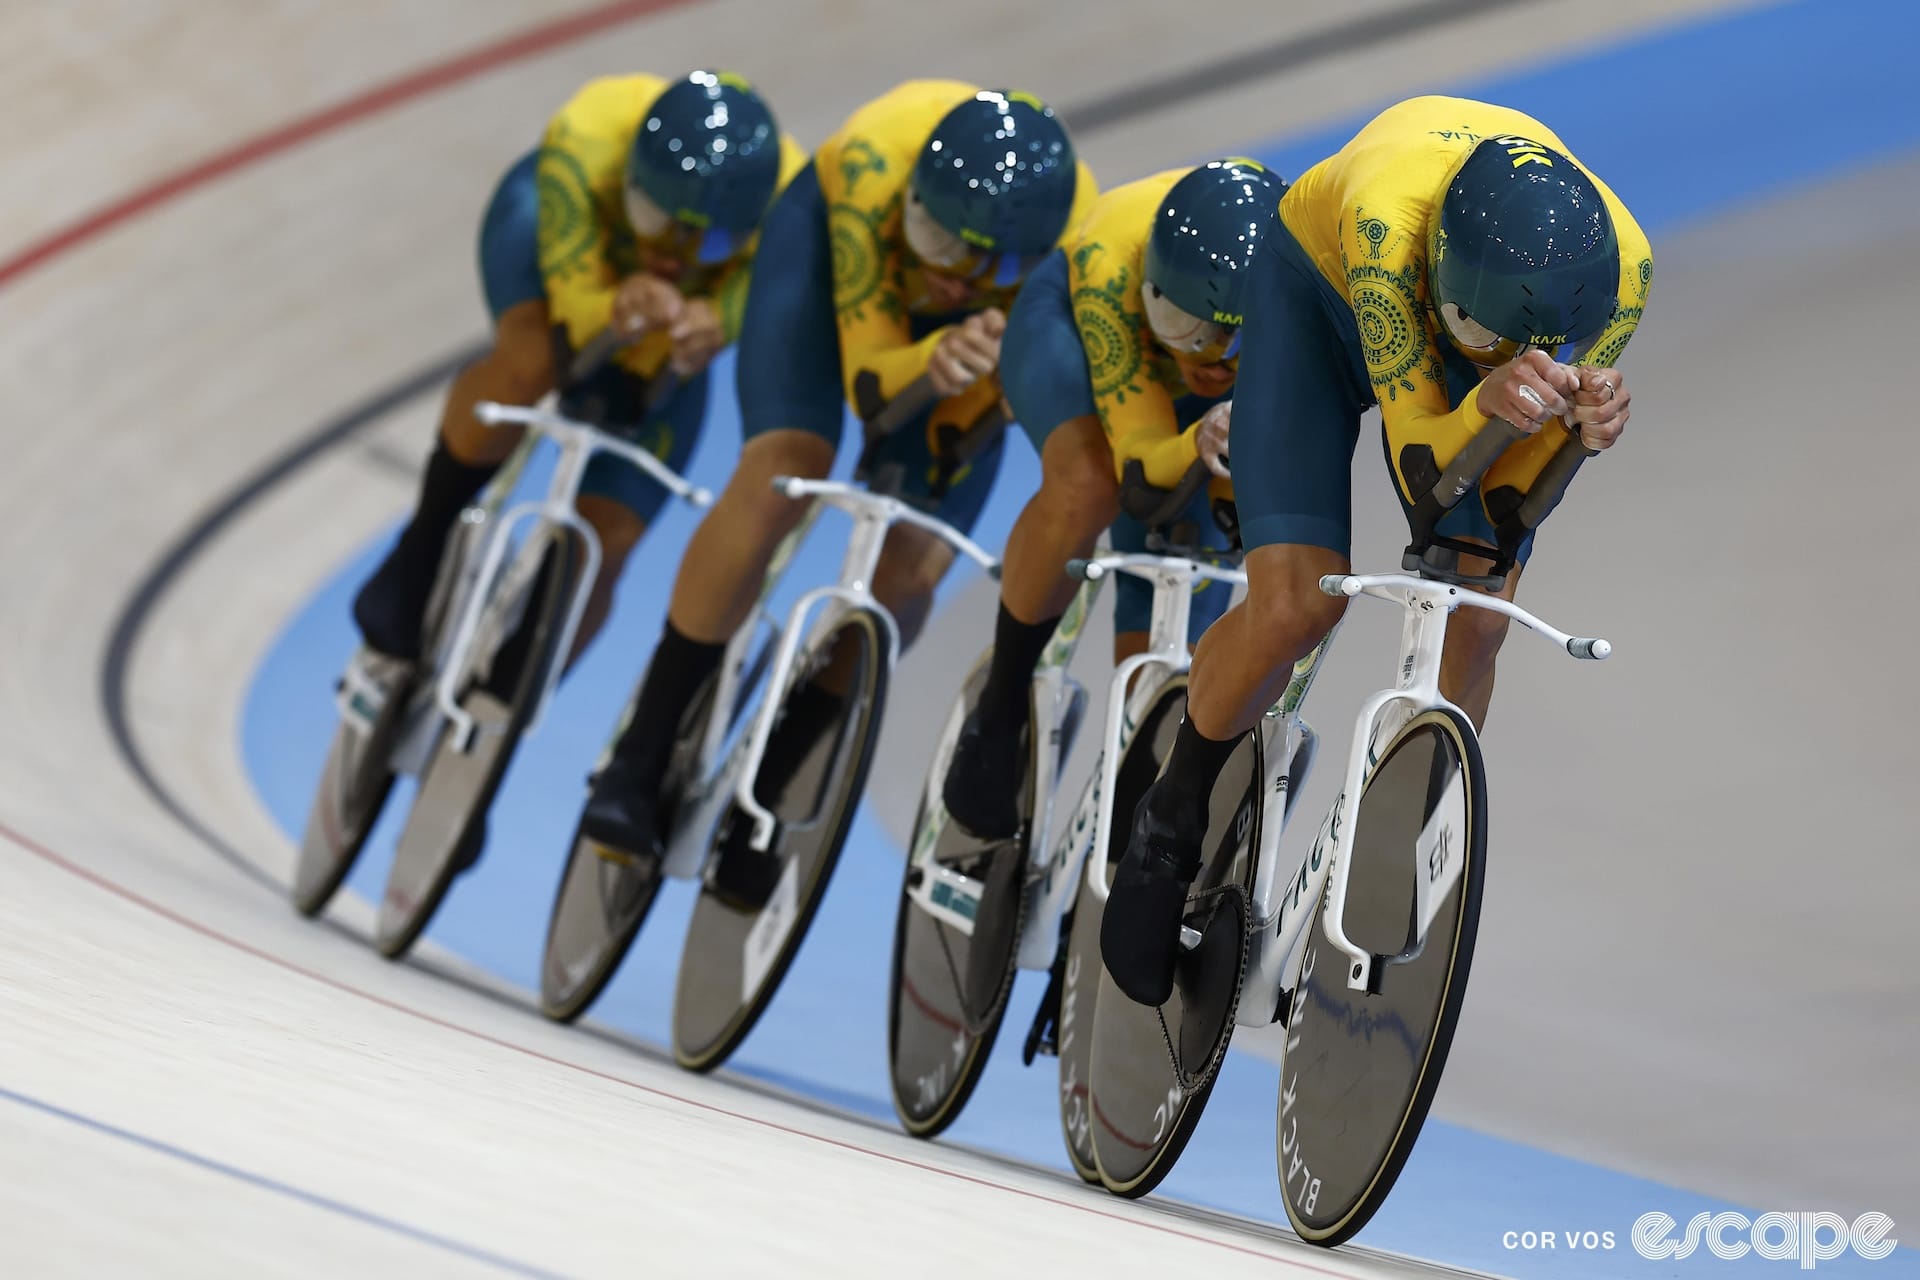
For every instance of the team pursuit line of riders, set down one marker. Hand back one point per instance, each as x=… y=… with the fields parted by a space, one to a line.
x=1452 y=264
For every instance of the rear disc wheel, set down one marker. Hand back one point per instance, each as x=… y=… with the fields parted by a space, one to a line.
x=1353 y=1099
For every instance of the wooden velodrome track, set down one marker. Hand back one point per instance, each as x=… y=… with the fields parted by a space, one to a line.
x=200 y=1084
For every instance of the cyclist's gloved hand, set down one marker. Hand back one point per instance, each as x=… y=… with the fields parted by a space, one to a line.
x=967 y=352
x=1527 y=390
x=697 y=337
x=644 y=303
x=1601 y=406
x=1210 y=438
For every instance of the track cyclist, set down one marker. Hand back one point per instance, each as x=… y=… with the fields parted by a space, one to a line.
x=901 y=247
x=639 y=210
x=1438 y=265
x=1127 y=333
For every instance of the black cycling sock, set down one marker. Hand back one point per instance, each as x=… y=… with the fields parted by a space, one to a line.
x=679 y=667
x=1017 y=647
x=1186 y=784
x=447 y=488
x=389 y=606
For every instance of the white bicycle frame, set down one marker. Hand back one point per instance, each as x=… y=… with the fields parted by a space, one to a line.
x=1055 y=857
x=1284 y=910
x=873 y=515
x=578 y=442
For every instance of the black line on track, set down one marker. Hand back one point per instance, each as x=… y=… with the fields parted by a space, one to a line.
x=1175 y=88
x=117 y=662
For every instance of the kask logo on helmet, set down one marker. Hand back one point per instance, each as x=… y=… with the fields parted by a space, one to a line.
x=1524 y=151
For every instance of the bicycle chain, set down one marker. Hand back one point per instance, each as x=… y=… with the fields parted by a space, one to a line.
x=1190 y=1085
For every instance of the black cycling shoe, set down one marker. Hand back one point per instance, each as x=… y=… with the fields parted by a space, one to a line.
x=1140 y=931
x=982 y=787
x=744 y=878
x=391 y=606
x=623 y=811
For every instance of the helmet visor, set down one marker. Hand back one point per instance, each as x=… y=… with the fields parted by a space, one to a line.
x=1477 y=342
x=660 y=230
x=1185 y=334
x=941 y=250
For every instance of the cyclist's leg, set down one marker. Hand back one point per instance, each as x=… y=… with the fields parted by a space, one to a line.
x=1302 y=388
x=791 y=412
x=912 y=564
x=726 y=560
x=1474 y=637
x=519 y=369
x=619 y=500
x=1044 y=372
x=788 y=375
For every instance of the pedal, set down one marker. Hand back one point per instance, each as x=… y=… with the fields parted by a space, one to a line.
x=1283 y=1011
x=1189 y=937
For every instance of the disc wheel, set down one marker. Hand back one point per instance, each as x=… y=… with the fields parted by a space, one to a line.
x=1360 y=1070
x=447 y=824
x=605 y=894
x=736 y=955
x=1153 y=1069
x=948 y=985
x=354 y=783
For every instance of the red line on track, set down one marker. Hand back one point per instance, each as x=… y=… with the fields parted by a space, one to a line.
x=99 y=881
x=382 y=97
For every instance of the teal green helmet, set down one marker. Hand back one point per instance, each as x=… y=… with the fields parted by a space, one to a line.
x=993 y=188
x=1194 y=280
x=704 y=166
x=1521 y=253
